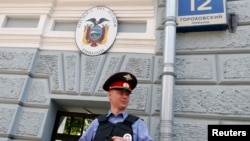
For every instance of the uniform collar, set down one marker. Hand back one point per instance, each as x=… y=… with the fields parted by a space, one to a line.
x=123 y=114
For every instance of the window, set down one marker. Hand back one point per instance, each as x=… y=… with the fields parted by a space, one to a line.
x=70 y=126
x=64 y=26
x=17 y=22
x=139 y=27
x=123 y=26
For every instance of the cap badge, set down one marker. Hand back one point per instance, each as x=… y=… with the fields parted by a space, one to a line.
x=127 y=137
x=127 y=77
x=126 y=85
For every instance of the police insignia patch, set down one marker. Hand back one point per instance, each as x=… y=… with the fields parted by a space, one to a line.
x=127 y=77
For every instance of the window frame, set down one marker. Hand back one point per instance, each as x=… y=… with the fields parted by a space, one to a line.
x=67 y=137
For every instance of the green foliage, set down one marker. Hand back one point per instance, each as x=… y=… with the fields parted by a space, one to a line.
x=74 y=126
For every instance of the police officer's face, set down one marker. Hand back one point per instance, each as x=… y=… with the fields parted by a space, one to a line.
x=119 y=98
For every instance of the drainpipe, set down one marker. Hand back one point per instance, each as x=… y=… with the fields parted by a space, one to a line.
x=168 y=76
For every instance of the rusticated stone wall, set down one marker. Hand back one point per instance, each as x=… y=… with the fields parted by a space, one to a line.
x=212 y=83
x=212 y=68
x=30 y=79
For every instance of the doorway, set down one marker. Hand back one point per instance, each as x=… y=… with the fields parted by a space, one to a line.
x=70 y=126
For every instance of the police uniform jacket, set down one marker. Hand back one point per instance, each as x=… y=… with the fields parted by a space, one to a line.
x=140 y=130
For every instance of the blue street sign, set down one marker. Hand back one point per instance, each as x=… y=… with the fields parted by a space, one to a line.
x=201 y=15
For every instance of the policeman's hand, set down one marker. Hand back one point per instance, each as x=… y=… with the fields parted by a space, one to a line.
x=116 y=138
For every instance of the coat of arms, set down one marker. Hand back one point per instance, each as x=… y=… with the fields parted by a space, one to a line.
x=95 y=33
x=96 y=30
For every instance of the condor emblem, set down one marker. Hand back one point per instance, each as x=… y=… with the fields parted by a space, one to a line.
x=96 y=31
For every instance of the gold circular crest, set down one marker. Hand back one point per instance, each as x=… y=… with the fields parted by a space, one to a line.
x=96 y=31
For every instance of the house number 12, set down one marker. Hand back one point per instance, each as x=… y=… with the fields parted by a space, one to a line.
x=201 y=7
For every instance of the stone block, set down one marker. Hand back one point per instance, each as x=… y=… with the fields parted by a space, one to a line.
x=196 y=69
x=232 y=101
x=234 y=68
x=16 y=60
x=12 y=88
x=91 y=67
x=141 y=65
x=37 y=94
x=240 y=8
x=30 y=124
x=214 y=41
x=49 y=65
x=8 y=113
x=71 y=67
x=112 y=65
x=140 y=99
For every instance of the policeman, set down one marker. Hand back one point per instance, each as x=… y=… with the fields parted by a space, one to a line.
x=117 y=124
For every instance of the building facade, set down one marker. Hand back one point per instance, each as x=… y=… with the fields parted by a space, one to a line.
x=42 y=70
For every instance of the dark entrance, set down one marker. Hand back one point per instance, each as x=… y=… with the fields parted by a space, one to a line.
x=70 y=126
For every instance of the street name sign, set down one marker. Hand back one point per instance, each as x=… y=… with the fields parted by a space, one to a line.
x=201 y=15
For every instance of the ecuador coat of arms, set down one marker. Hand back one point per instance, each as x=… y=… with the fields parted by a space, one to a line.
x=96 y=31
